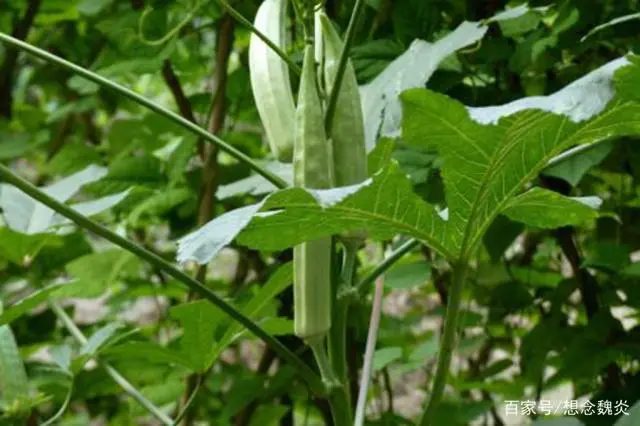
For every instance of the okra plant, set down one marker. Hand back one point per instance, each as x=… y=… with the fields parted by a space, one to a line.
x=486 y=177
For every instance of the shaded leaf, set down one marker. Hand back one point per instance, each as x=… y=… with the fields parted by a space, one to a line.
x=546 y=209
x=30 y=302
x=24 y=214
x=385 y=356
x=484 y=166
x=278 y=282
x=574 y=168
x=17 y=247
x=199 y=320
x=150 y=352
x=95 y=272
x=408 y=275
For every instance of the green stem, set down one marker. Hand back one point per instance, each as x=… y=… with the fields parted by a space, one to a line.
x=447 y=342
x=316 y=343
x=341 y=400
x=358 y=8
x=338 y=332
x=104 y=82
x=387 y=263
x=112 y=372
x=244 y=21
x=340 y=411
x=305 y=372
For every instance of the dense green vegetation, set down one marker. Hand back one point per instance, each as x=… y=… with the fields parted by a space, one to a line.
x=149 y=240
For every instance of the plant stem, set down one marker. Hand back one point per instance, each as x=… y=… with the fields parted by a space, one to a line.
x=316 y=344
x=447 y=342
x=244 y=21
x=303 y=369
x=342 y=65
x=112 y=372
x=372 y=337
x=340 y=411
x=338 y=333
x=337 y=338
x=104 y=82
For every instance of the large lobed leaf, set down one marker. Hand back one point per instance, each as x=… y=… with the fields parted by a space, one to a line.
x=488 y=155
x=382 y=206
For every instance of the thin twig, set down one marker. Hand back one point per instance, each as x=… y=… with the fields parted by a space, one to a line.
x=372 y=337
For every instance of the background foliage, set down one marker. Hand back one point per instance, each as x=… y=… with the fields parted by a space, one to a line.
x=549 y=305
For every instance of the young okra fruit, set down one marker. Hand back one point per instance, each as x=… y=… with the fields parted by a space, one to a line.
x=347 y=130
x=312 y=168
x=270 y=82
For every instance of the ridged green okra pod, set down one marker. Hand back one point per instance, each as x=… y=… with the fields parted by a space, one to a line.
x=312 y=168
x=270 y=79
x=347 y=130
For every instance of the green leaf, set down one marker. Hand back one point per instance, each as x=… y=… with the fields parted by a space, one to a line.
x=574 y=168
x=95 y=272
x=145 y=171
x=30 y=302
x=381 y=155
x=276 y=326
x=484 y=166
x=408 y=275
x=267 y=415
x=519 y=25
x=536 y=278
x=159 y=204
x=628 y=79
x=277 y=283
x=93 y=345
x=23 y=214
x=607 y=257
x=13 y=376
x=93 y=7
x=18 y=247
x=179 y=159
x=500 y=235
x=149 y=352
x=61 y=355
x=546 y=209
x=199 y=320
x=382 y=206
x=385 y=356
x=425 y=350
x=161 y=394
x=98 y=339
